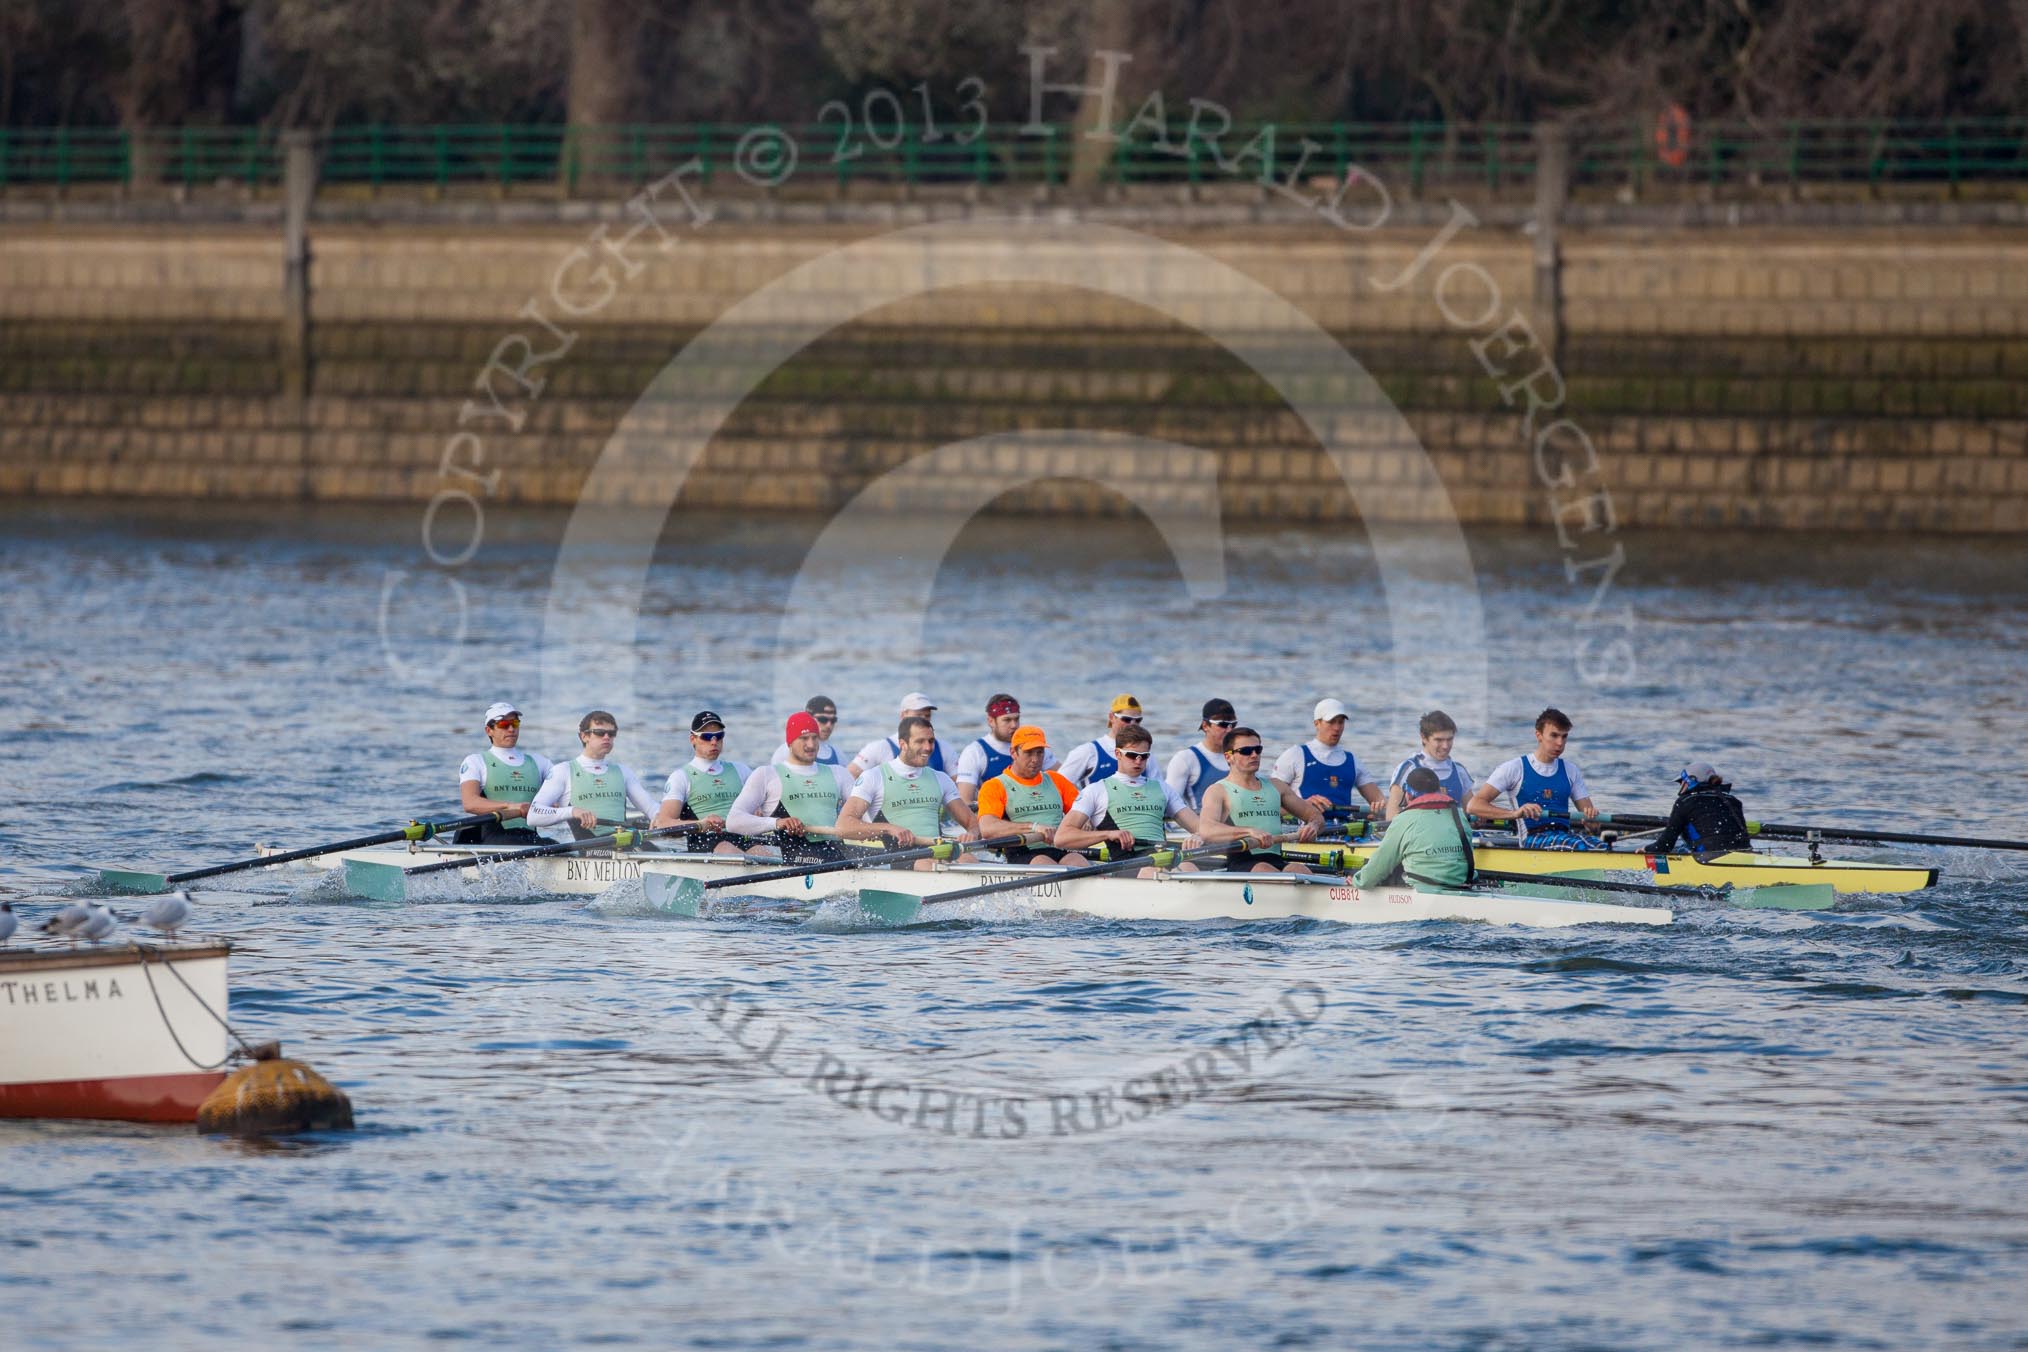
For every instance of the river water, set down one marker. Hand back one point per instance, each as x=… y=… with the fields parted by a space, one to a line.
x=1747 y=1128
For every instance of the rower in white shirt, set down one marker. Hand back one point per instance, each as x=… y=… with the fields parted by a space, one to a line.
x=502 y=780
x=1438 y=733
x=780 y=805
x=985 y=758
x=590 y=793
x=704 y=789
x=825 y=710
x=1543 y=784
x=1200 y=765
x=1323 y=772
x=1089 y=762
x=906 y=800
x=1129 y=810
x=881 y=750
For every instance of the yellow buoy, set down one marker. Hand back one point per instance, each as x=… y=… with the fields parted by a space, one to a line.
x=274 y=1096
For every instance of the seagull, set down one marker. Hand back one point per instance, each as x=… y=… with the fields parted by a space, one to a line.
x=8 y=924
x=67 y=921
x=99 y=923
x=169 y=913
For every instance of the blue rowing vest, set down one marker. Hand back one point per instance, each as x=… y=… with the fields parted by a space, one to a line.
x=1335 y=782
x=1452 y=781
x=936 y=760
x=996 y=761
x=1552 y=794
x=1207 y=775
x=1104 y=764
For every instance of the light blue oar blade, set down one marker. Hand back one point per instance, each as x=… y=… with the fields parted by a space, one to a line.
x=892 y=908
x=377 y=881
x=132 y=880
x=1786 y=897
x=672 y=896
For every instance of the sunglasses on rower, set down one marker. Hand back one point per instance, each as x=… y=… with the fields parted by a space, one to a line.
x=1253 y=750
x=1131 y=720
x=1135 y=755
x=709 y=736
x=601 y=732
x=505 y=723
x=1222 y=722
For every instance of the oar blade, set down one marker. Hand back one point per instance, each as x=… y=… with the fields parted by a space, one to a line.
x=133 y=881
x=672 y=896
x=890 y=908
x=1786 y=897
x=376 y=881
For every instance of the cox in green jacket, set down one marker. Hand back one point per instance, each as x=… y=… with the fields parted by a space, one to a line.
x=1426 y=844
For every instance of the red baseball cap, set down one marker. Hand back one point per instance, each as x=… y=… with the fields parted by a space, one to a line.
x=800 y=723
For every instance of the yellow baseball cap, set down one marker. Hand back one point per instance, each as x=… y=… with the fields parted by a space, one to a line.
x=1125 y=704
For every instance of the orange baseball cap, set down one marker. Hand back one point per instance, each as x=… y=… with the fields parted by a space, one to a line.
x=1125 y=703
x=1027 y=737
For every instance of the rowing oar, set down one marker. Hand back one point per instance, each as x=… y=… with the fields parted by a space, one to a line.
x=1788 y=831
x=389 y=882
x=685 y=896
x=1773 y=897
x=132 y=880
x=901 y=908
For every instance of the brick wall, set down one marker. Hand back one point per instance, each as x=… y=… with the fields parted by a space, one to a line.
x=1848 y=379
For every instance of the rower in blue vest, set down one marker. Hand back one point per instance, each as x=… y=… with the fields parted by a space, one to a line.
x=1096 y=761
x=988 y=757
x=883 y=749
x=1323 y=772
x=1438 y=733
x=1544 y=787
x=1201 y=764
x=590 y=792
x=501 y=780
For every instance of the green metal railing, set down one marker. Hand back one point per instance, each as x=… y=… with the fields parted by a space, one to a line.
x=1410 y=158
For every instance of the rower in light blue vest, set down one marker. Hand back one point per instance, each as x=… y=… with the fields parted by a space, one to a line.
x=705 y=789
x=1247 y=811
x=905 y=801
x=501 y=780
x=1323 y=772
x=1544 y=787
x=590 y=793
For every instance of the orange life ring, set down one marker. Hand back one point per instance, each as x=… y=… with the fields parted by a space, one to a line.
x=1672 y=136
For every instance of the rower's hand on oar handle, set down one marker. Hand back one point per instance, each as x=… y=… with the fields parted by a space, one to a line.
x=584 y=817
x=714 y=822
x=1320 y=802
x=1308 y=832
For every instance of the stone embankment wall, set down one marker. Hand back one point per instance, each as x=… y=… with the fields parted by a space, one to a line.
x=1849 y=378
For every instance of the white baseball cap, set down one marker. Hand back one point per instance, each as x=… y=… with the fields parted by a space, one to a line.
x=496 y=712
x=916 y=701
x=1326 y=710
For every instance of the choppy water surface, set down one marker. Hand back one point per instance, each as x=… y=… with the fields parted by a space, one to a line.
x=1751 y=1127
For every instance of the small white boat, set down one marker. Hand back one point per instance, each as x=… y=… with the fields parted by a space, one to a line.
x=124 y=1031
